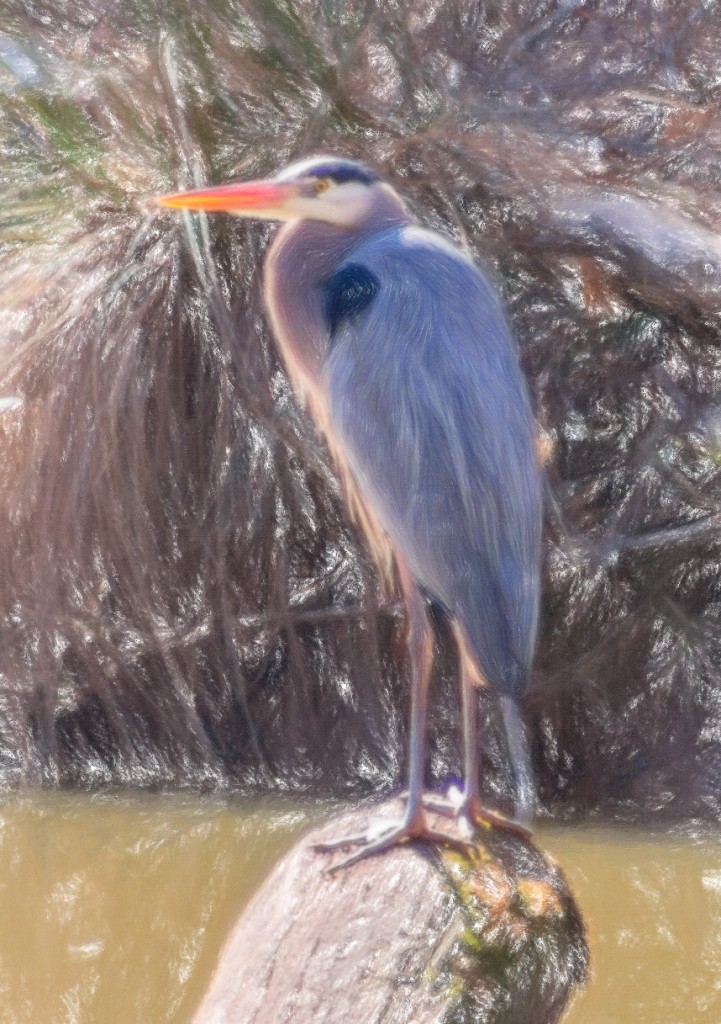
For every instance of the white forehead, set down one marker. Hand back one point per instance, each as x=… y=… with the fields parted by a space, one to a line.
x=299 y=168
x=340 y=169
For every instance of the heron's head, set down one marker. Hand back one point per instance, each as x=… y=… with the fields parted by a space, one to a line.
x=324 y=188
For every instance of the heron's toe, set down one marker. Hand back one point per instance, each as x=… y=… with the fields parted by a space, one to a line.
x=476 y=815
x=471 y=814
x=378 y=839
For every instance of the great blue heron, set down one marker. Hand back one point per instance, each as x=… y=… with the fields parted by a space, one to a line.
x=400 y=347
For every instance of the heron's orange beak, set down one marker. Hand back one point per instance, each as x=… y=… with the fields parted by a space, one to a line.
x=249 y=199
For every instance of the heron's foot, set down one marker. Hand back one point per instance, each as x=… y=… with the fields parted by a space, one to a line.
x=382 y=835
x=471 y=813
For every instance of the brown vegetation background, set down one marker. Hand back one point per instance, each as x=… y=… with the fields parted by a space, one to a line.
x=183 y=601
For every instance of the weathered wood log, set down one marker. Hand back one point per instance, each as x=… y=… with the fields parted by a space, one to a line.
x=417 y=935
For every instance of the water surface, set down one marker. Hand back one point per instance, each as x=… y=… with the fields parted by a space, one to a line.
x=652 y=909
x=113 y=909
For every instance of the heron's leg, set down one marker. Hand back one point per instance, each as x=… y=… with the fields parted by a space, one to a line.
x=420 y=651
x=413 y=824
x=469 y=806
x=469 y=719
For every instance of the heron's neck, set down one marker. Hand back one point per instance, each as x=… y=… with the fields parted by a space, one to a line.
x=303 y=256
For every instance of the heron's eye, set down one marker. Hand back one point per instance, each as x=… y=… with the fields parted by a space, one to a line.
x=322 y=185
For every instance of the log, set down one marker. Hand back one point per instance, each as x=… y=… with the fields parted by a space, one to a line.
x=420 y=934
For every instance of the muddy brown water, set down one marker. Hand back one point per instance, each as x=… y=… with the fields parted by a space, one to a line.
x=113 y=909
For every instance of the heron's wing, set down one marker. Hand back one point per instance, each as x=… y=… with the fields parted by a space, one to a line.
x=432 y=413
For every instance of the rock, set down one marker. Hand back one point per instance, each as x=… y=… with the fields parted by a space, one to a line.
x=417 y=935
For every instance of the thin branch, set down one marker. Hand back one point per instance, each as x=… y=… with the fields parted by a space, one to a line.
x=709 y=525
x=330 y=614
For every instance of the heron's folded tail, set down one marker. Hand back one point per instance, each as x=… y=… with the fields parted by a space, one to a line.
x=520 y=762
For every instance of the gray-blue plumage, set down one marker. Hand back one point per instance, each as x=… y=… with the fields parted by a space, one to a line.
x=429 y=403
